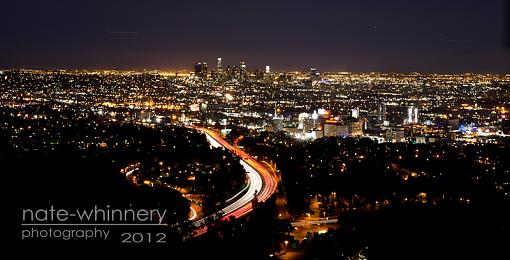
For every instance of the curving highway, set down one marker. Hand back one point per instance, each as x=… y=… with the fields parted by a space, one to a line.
x=261 y=183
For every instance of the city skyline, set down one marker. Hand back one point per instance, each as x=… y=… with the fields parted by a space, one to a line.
x=211 y=65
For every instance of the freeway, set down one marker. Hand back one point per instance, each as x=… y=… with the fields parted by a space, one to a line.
x=261 y=183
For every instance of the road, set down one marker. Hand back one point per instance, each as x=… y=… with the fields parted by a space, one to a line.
x=314 y=222
x=194 y=209
x=262 y=183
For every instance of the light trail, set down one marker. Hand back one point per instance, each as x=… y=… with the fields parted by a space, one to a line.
x=262 y=183
x=193 y=214
x=314 y=222
x=243 y=190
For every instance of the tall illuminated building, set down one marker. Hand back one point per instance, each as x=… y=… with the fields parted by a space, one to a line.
x=301 y=120
x=268 y=69
x=315 y=116
x=218 y=66
x=313 y=72
x=314 y=76
x=242 y=70
x=355 y=112
x=410 y=115
x=381 y=112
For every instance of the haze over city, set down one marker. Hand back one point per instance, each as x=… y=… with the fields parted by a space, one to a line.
x=358 y=36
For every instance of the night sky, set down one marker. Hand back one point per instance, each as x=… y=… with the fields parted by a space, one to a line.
x=366 y=35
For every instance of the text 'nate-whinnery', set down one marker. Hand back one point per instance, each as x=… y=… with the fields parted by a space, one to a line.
x=95 y=215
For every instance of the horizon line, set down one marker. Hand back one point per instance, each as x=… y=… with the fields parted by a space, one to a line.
x=275 y=71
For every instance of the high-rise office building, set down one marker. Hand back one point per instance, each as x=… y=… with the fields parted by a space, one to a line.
x=381 y=112
x=314 y=76
x=268 y=69
x=355 y=112
x=201 y=69
x=410 y=115
x=242 y=70
x=258 y=74
x=218 y=66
